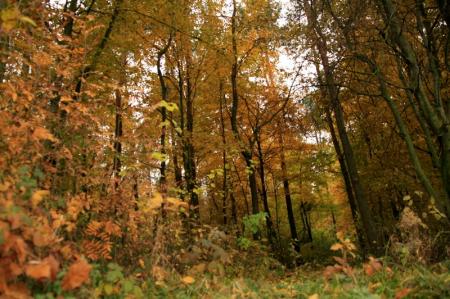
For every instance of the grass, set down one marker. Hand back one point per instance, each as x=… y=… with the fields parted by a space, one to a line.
x=415 y=281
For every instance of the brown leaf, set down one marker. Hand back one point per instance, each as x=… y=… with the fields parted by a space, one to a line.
x=78 y=274
x=340 y=260
x=197 y=269
x=330 y=271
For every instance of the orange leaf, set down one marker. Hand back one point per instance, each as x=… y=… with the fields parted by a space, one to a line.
x=42 y=59
x=54 y=265
x=43 y=134
x=337 y=246
x=38 y=196
x=188 y=280
x=402 y=293
x=41 y=240
x=39 y=271
x=17 y=291
x=368 y=270
x=78 y=274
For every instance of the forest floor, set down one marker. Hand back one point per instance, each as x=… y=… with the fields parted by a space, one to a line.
x=413 y=281
x=252 y=273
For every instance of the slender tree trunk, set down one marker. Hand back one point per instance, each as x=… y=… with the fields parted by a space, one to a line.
x=270 y=230
x=68 y=28
x=117 y=163
x=4 y=45
x=246 y=153
x=224 y=155
x=176 y=167
x=306 y=221
x=287 y=195
x=165 y=96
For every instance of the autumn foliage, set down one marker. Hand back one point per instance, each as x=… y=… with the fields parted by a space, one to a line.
x=152 y=144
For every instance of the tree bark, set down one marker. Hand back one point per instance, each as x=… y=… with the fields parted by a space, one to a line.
x=332 y=91
x=287 y=195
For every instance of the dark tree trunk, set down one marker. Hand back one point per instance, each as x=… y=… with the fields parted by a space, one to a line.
x=117 y=163
x=287 y=195
x=165 y=96
x=270 y=230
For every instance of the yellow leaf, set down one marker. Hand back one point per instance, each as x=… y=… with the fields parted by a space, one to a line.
x=9 y=17
x=38 y=196
x=109 y=289
x=340 y=235
x=188 y=280
x=337 y=246
x=142 y=263
x=314 y=296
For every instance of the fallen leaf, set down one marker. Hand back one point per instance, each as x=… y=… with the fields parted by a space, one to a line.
x=368 y=269
x=159 y=273
x=43 y=134
x=188 y=280
x=78 y=274
x=38 y=196
x=39 y=271
x=402 y=293
x=40 y=239
x=197 y=269
x=54 y=266
x=17 y=291
x=314 y=296
x=142 y=263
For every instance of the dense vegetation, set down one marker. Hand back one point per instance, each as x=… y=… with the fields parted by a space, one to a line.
x=224 y=148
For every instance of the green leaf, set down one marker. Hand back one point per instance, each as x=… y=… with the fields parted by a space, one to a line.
x=127 y=286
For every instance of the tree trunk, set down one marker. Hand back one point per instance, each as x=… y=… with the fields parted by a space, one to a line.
x=363 y=205
x=224 y=155
x=270 y=230
x=165 y=96
x=287 y=195
x=117 y=163
x=246 y=153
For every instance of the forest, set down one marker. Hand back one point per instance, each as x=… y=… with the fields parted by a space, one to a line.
x=224 y=149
